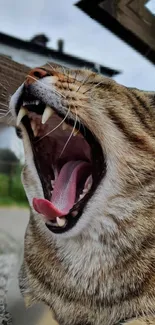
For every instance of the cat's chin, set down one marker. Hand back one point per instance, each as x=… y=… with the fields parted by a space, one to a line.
x=67 y=157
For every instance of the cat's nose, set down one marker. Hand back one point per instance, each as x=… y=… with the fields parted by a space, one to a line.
x=34 y=75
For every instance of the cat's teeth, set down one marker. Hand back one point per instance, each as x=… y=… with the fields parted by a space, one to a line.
x=74 y=213
x=64 y=126
x=81 y=196
x=75 y=132
x=35 y=132
x=48 y=112
x=52 y=182
x=61 y=221
x=88 y=182
x=33 y=125
x=22 y=112
x=85 y=190
x=34 y=128
x=32 y=102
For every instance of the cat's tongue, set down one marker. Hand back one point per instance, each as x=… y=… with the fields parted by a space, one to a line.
x=64 y=193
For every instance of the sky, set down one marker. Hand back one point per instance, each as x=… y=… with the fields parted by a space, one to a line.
x=83 y=36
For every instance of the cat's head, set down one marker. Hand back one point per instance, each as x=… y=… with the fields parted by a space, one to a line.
x=89 y=146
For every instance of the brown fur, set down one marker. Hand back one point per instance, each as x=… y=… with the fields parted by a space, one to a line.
x=105 y=274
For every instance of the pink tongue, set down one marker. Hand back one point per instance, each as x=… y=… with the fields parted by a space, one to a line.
x=64 y=193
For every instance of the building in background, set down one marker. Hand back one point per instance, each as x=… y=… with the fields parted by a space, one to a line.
x=36 y=53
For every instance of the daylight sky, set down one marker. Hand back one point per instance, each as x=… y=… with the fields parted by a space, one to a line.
x=83 y=36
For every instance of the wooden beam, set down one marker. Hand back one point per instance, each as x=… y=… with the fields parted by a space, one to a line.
x=12 y=74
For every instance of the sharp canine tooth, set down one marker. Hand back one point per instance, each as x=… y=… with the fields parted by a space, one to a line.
x=81 y=196
x=85 y=190
x=64 y=126
x=48 y=112
x=22 y=112
x=61 y=221
x=34 y=128
x=33 y=125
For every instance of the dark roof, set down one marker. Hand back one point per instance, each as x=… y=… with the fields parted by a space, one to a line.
x=68 y=59
x=128 y=19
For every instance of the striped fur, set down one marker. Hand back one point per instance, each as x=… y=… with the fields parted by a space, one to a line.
x=103 y=271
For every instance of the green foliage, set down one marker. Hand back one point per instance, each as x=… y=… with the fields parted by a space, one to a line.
x=11 y=189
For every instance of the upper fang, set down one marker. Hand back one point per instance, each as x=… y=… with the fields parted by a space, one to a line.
x=64 y=126
x=48 y=112
x=22 y=112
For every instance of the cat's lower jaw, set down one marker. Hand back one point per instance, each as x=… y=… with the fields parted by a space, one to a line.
x=85 y=281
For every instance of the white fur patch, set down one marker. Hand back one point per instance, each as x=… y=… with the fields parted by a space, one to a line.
x=14 y=100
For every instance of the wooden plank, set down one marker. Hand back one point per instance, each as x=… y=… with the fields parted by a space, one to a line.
x=12 y=74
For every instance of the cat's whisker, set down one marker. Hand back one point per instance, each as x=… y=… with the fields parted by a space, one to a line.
x=74 y=127
x=135 y=176
x=76 y=74
x=3 y=110
x=83 y=128
x=3 y=104
x=64 y=71
x=51 y=66
x=3 y=86
x=56 y=126
x=96 y=85
x=83 y=82
x=10 y=120
x=7 y=82
x=68 y=79
x=55 y=68
x=4 y=115
x=47 y=86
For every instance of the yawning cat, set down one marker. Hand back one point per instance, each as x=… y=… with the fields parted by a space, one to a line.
x=89 y=177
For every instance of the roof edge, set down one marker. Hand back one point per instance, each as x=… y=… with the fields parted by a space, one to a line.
x=35 y=48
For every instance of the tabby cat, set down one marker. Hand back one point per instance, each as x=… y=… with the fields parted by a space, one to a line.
x=89 y=177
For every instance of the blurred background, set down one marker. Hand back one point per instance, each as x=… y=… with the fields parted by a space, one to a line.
x=114 y=38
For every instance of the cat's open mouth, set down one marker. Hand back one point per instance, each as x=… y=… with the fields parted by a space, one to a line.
x=68 y=158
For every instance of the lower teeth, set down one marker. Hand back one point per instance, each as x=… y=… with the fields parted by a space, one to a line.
x=61 y=221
